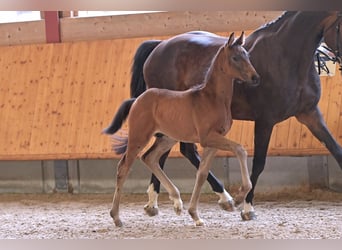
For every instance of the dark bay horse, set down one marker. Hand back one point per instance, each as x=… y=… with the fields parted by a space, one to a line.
x=282 y=52
x=150 y=114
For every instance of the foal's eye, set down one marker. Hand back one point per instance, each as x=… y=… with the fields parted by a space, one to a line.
x=234 y=58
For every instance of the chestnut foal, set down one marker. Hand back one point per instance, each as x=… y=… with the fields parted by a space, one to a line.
x=201 y=115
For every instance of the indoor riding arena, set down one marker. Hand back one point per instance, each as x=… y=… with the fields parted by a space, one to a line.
x=63 y=77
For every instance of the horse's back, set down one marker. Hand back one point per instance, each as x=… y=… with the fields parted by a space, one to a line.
x=181 y=61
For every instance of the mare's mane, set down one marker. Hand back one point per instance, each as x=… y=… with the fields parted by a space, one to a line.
x=277 y=21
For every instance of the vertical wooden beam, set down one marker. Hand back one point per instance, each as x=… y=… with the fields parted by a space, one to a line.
x=52 y=27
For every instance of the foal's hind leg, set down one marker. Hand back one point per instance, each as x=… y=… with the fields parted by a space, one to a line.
x=122 y=173
x=151 y=159
x=226 y=201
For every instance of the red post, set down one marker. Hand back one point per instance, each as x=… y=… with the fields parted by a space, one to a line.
x=52 y=27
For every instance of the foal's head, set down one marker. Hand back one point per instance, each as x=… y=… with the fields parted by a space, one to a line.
x=236 y=61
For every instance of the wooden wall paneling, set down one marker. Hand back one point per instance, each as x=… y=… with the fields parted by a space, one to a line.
x=58 y=97
x=40 y=75
x=86 y=96
x=37 y=73
x=334 y=108
x=4 y=95
x=64 y=109
x=92 y=101
x=80 y=70
x=105 y=103
x=281 y=134
x=247 y=137
x=15 y=93
x=16 y=101
x=53 y=99
x=294 y=134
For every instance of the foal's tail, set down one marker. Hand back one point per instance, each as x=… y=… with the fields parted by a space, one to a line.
x=120 y=144
x=138 y=84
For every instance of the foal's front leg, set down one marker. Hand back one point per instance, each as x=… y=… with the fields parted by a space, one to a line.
x=201 y=176
x=225 y=201
x=219 y=141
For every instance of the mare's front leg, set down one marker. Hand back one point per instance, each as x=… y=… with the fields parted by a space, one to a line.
x=201 y=176
x=314 y=121
x=262 y=135
x=225 y=201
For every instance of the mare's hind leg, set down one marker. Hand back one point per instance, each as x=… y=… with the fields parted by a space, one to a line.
x=314 y=121
x=151 y=159
x=201 y=176
x=226 y=201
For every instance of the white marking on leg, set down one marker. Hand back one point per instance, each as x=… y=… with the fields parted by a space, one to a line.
x=199 y=223
x=247 y=207
x=224 y=197
x=177 y=205
x=152 y=197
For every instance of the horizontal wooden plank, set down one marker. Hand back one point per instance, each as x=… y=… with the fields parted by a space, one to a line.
x=22 y=33
x=161 y=24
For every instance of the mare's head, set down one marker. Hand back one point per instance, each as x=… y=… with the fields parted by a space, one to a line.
x=236 y=62
x=333 y=36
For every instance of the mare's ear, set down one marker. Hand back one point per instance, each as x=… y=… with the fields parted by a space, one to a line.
x=230 y=41
x=241 y=39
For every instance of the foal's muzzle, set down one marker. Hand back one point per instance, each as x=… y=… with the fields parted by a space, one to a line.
x=255 y=80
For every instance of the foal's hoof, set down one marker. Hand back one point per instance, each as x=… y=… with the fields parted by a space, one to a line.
x=199 y=223
x=151 y=211
x=227 y=205
x=248 y=216
x=118 y=223
x=239 y=200
x=178 y=210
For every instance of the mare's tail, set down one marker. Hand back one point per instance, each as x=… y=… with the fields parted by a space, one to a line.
x=119 y=142
x=138 y=85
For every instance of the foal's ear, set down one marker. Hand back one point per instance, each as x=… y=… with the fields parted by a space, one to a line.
x=230 y=41
x=241 y=39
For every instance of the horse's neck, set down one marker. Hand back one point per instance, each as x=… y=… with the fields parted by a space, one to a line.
x=302 y=30
x=218 y=84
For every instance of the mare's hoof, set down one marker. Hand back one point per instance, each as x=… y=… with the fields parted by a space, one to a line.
x=118 y=223
x=248 y=216
x=227 y=205
x=151 y=211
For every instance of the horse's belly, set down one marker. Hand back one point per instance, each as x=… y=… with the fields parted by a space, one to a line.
x=179 y=129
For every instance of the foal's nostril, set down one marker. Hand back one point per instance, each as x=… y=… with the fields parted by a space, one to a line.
x=255 y=79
